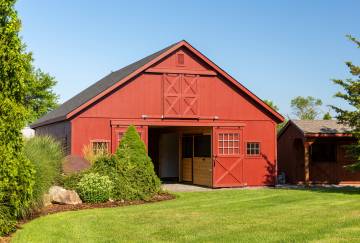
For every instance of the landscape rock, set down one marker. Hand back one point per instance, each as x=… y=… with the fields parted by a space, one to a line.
x=46 y=200
x=62 y=196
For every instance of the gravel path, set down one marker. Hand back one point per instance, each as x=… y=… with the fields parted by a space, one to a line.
x=176 y=187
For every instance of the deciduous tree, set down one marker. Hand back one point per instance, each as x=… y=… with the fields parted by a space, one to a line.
x=306 y=108
x=40 y=97
x=327 y=116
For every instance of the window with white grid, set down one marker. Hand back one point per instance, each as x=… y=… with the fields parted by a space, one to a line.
x=252 y=148
x=229 y=143
x=100 y=147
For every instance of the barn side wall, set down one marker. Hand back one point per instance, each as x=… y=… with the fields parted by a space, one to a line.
x=290 y=154
x=61 y=131
x=260 y=170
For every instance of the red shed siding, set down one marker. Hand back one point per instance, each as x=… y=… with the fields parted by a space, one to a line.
x=334 y=172
x=291 y=159
x=291 y=154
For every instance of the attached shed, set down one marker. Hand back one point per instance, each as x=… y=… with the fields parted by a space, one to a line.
x=199 y=124
x=314 y=152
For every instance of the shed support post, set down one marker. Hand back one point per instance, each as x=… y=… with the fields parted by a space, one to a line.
x=307 y=145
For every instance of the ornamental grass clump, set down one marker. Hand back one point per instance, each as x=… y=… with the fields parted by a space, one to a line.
x=7 y=221
x=46 y=155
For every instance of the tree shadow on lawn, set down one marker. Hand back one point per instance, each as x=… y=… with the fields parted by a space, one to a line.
x=348 y=190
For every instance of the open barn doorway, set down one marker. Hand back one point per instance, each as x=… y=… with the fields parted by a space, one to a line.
x=182 y=154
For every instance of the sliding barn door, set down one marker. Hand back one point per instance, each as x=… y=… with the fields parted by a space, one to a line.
x=227 y=157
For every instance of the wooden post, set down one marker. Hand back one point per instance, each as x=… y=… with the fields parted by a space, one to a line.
x=307 y=145
x=180 y=157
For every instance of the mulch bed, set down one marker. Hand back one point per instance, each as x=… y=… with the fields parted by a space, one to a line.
x=56 y=208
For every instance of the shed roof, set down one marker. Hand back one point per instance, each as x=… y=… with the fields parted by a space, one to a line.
x=321 y=126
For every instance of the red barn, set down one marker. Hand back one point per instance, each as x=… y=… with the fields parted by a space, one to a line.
x=199 y=124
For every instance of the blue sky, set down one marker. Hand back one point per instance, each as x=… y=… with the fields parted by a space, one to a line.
x=277 y=49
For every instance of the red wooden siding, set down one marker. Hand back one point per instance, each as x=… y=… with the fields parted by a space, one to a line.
x=144 y=97
x=183 y=90
x=191 y=62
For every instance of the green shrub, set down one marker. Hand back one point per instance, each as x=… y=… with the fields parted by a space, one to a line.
x=104 y=164
x=7 y=221
x=46 y=155
x=94 y=188
x=136 y=178
x=16 y=172
x=130 y=170
x=70 y=181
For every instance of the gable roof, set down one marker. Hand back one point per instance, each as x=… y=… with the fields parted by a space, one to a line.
x=325 y=127
x=321 y=126
x=114 y=79
x=93 y=90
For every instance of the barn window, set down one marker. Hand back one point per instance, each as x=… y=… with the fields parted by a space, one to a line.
x=120 y=135
x=180 y=59
x=100 y=147
x=323 y=152
x=252 y=148
x=229 y=143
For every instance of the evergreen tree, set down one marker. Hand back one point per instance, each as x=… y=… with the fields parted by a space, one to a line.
x=16 y=172
x=352 y=96
x=136 y=168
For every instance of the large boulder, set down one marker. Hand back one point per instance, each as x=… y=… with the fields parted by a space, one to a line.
x=46 y=200
x=62 y=196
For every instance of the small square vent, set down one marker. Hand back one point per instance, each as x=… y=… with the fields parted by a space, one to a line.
x=180 y=59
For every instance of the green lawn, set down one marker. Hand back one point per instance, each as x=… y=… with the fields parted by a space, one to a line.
x=259 y=215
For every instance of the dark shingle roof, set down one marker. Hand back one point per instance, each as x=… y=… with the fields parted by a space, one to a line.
x=95 y=89
x=321 y=126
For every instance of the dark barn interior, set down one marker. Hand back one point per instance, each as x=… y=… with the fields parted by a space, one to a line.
x=182 y=154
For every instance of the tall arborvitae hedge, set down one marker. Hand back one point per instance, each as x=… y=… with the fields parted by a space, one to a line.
x=16 y=172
